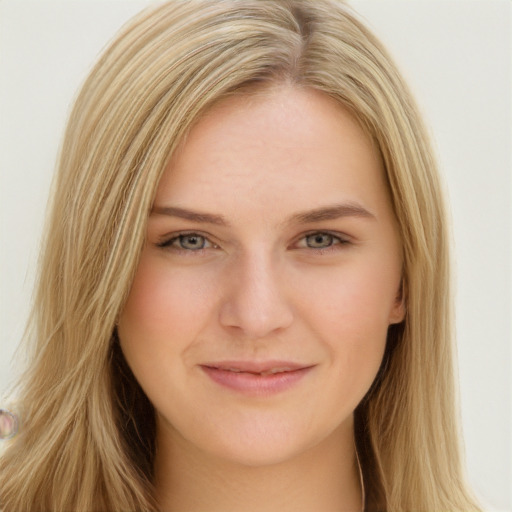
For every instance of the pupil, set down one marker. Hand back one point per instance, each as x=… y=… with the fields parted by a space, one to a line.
x=319 y=240
x=192 y=242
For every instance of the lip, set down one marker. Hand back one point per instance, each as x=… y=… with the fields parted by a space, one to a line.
x=256 y=378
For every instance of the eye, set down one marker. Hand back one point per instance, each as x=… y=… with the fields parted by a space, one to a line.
x=321 y=241
x=187 y=242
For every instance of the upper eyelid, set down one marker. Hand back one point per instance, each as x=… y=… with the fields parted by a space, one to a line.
x=169 y=237
x=325 y=232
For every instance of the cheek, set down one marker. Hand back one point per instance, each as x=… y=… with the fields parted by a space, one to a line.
x=161 y=320
x=164 y=303
x=358 y=297
x=350 y=312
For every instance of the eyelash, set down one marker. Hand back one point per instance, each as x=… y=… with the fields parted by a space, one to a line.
x=337 y=241
x=168 y=243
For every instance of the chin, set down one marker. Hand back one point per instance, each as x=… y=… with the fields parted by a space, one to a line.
x=258 y=454
x=263 y=443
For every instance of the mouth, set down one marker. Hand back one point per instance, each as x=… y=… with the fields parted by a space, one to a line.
x=256 y=379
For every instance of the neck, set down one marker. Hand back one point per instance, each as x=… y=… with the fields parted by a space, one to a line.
x=324 y=477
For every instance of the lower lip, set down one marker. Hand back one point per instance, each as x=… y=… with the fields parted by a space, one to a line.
x=255 y=384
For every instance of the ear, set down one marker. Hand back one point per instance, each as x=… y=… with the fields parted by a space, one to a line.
x=397 y=313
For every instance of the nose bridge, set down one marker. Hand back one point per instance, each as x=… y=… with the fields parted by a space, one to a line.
x=255 y=302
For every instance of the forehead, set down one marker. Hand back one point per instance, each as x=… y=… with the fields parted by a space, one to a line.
x=282 y=145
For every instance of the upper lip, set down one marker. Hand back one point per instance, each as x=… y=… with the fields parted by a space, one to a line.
x=262 y=367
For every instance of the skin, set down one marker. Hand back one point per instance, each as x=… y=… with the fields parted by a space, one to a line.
x=264 y=287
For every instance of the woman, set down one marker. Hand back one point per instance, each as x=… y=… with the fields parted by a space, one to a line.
x=244 y=295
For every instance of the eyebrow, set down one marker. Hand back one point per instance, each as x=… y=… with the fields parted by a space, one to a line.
x=182 y=213
x=331 y=212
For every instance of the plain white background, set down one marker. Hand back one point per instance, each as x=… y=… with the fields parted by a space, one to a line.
x=457 y=57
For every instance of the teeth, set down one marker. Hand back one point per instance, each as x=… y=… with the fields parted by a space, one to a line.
x=273 y=371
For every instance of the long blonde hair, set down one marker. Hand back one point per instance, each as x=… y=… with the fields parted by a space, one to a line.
x=87 y=438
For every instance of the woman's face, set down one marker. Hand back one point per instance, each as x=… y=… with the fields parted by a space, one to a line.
x=258 y=315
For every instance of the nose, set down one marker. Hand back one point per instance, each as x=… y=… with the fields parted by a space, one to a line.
x=254 y=303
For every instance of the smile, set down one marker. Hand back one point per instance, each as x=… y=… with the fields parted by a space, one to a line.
x=256 y=379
